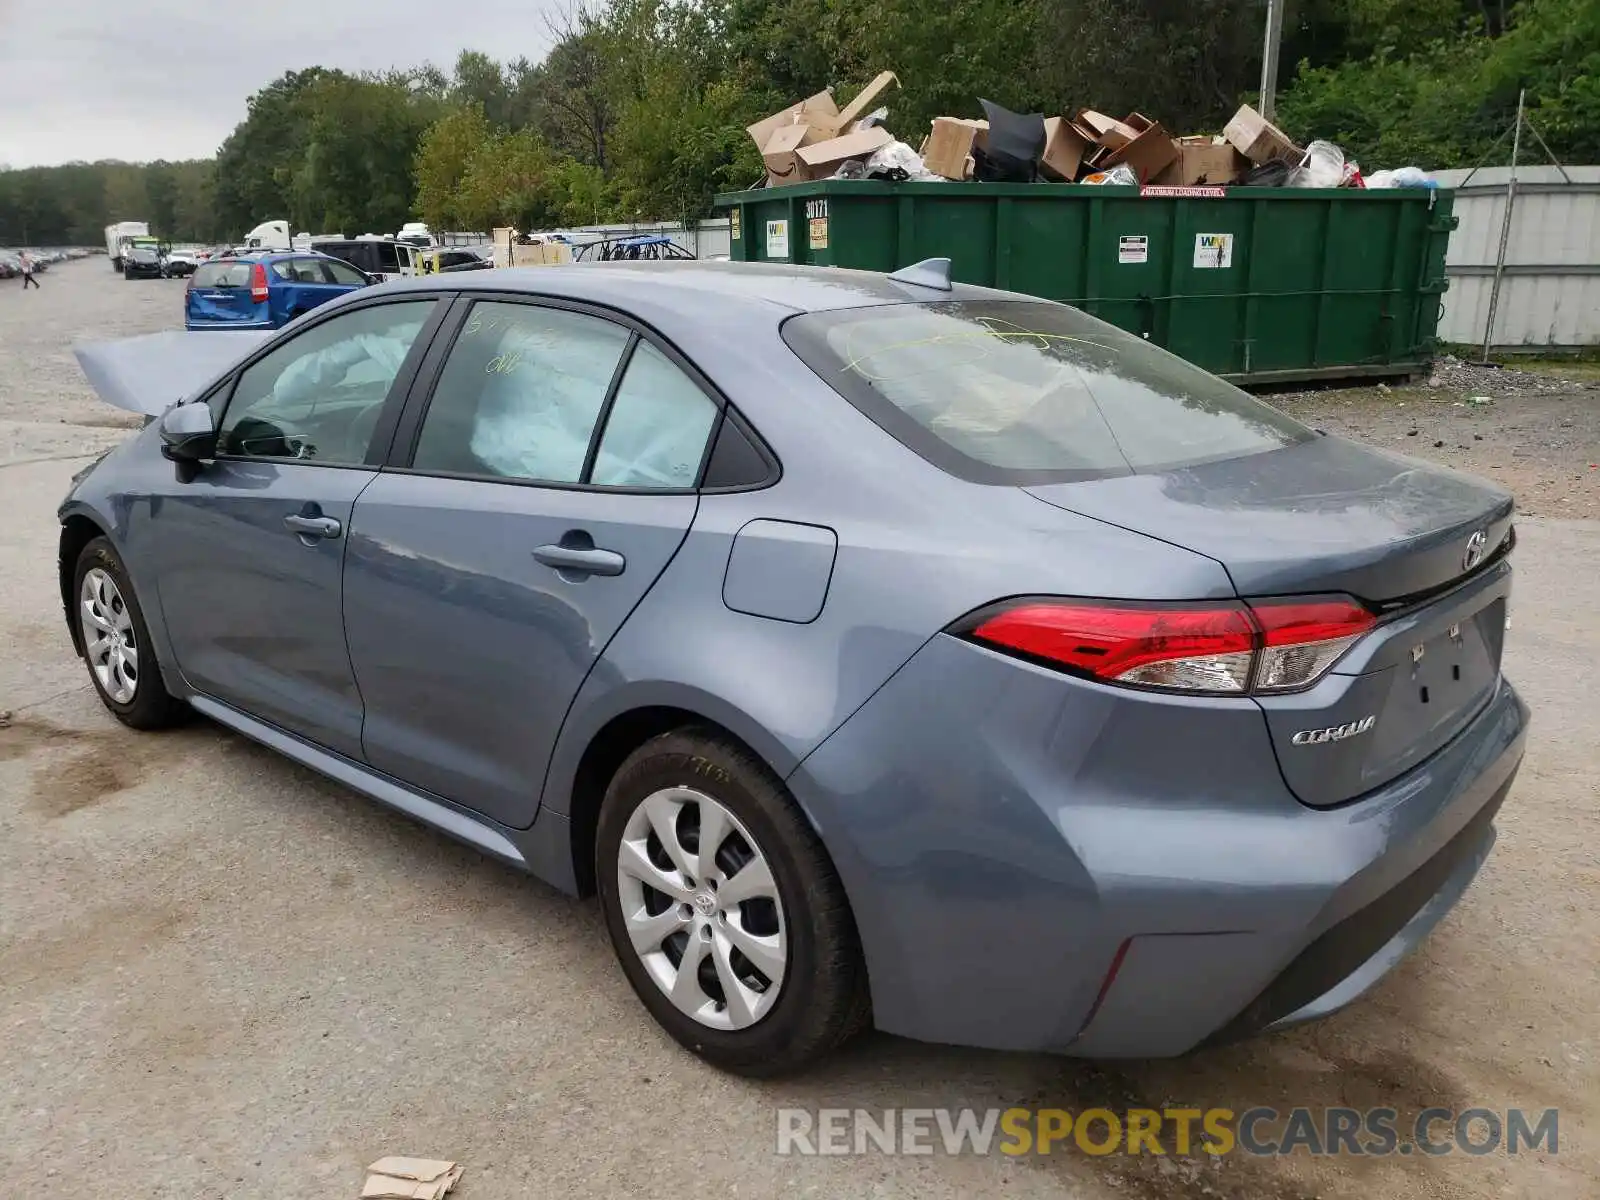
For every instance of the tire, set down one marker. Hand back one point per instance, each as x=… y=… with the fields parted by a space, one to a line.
x=821 y=999
x=150 y=705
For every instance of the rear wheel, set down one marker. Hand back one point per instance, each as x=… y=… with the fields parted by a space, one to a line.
x=724 y=910
x=116 y=642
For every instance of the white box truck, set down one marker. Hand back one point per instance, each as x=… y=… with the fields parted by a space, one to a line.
x=119 y=235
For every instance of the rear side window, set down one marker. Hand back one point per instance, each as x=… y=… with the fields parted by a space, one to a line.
x=659 y=424
x=388 y=256
x=298 y=270
x=222 y=275
x=1017 y=392
x=351 y=252
x=520 y=394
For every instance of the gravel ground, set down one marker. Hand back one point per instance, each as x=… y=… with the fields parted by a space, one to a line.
x=221 y=976
x=1538 y=435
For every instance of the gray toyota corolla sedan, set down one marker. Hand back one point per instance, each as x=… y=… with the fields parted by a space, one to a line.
x=880 y=651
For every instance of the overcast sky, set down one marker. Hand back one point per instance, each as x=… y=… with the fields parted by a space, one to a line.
x=147 y=79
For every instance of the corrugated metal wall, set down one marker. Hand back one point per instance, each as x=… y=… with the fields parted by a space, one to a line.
x=1550 y=293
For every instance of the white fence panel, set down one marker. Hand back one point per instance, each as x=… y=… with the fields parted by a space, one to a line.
x=1550 y=292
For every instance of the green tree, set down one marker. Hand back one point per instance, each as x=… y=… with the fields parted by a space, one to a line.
x=444 y=157
x=481 y=81
x=258 y=163
x=355 y=173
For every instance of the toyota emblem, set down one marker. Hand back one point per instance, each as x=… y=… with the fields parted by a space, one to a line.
x=1477 y=546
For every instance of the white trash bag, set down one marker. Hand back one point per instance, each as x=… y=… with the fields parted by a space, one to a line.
x=1322 y=167
x=898 y=154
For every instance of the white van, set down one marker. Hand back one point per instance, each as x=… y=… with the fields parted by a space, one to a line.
x=380 y=257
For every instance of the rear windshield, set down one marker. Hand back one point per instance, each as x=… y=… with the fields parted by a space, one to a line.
x=1018 y=392
x=222 y=275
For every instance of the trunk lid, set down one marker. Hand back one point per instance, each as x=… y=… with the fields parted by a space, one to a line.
x=219 y=294
x=1323 y=515
x=1329 y=516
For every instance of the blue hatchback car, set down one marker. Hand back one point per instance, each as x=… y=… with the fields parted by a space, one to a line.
x=265 y=291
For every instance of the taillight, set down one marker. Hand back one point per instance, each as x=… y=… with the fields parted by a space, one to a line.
x=1218 y=649
x=1301 y=639
x=258 y=283
x=1204 y=647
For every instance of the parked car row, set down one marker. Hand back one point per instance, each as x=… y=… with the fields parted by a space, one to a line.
x=11 y=260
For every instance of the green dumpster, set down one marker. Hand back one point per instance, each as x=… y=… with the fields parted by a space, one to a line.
x=1259 y=285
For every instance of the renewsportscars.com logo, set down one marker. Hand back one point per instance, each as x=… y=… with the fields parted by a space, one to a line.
x=1373 y=1132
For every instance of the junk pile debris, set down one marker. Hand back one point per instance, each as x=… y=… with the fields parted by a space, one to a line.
x=814 y=139
x=400 y=1178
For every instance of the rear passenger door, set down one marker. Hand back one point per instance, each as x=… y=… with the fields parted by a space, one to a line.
x=538 y=495
x=300 y=284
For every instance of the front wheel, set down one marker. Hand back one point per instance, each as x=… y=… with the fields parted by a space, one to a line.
x=116 y=642
x=724 y=909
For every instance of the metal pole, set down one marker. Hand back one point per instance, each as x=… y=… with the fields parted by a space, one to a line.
x=1269 y=60
x=1505 y=229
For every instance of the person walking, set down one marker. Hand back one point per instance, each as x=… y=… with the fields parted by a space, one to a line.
x=27 y=271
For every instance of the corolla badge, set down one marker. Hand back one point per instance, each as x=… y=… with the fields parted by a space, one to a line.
x=1477 y=547
x=1334 y=733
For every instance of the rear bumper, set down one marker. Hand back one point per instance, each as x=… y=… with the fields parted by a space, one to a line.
x=1006 y=835
x=193 y=325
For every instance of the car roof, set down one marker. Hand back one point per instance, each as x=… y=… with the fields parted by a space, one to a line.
x=703 y=285
x=267 y=256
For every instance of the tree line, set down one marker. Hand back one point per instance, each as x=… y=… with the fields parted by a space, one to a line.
x=638 y=112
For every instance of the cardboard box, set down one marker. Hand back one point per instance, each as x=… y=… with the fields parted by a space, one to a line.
x=1258 y=139
x=862 y=104
x=821 y=159
x=782 y=166
x=949 y=146
x=1203 y=160
x=1064 y=149
x=816 y=112
x=1150 y=152
x=1103 y=130
x=812 y=122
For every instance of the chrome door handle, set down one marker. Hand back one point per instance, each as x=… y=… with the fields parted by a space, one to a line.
x=315 y=527
x=578 y=560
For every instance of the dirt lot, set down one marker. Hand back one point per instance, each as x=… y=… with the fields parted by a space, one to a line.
x=221 y=976
x=1536 y=434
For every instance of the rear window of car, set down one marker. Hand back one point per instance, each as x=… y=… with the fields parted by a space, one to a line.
x=1017 y=392
x=222 y=275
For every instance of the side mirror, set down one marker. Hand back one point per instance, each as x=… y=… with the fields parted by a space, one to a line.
x=188 y=434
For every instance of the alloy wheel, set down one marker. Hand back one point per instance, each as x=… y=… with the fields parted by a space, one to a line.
x=701 y=908
x=109 y=641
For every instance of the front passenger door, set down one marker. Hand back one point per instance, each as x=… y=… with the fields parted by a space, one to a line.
x=251 y=548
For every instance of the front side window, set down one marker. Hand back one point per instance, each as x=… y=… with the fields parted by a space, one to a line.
x=341 y=272
x=1019 y=392
x=319 y=396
